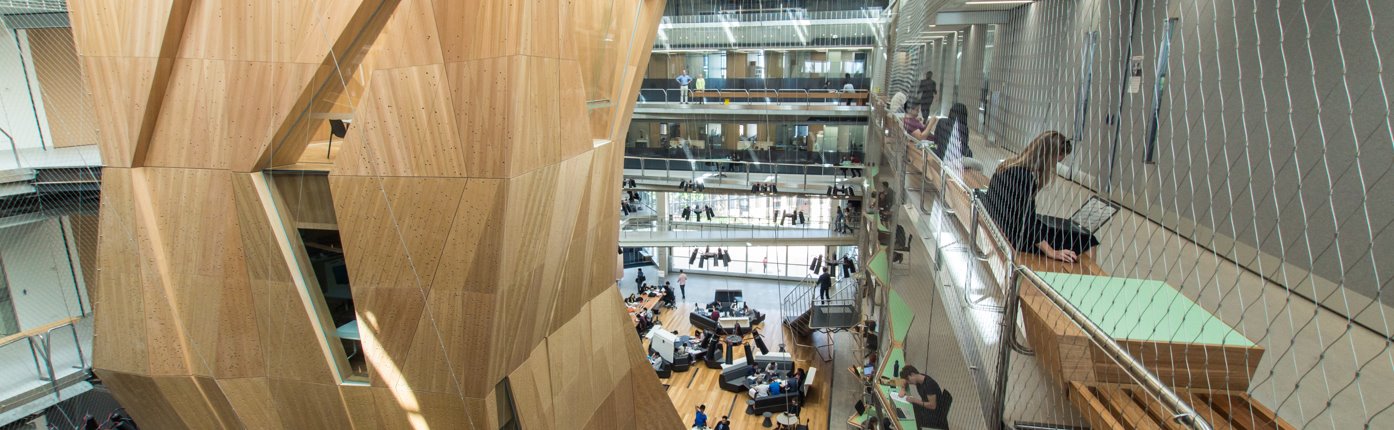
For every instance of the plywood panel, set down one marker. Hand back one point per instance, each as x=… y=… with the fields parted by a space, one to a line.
x=303 y=405
x=66 y=102
x=126 y=110
x=265 y=31
x=361 y=405
x=250 y=398
x=472 y=31
x=498 y=103
x=85 y=234
x=143 y=399
x=393 y=229
x=531 y=382
x=120 y=28
x=287 y=332
x=574 y=387
x=118 y=305
x=410 y=105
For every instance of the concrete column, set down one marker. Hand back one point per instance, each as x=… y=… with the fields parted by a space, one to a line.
x=660 y=204
x=970 y=83
x=946 y=74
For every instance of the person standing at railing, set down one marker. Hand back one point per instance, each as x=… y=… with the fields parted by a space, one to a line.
x=847 y=87
x=683 y=81
x=701 y=85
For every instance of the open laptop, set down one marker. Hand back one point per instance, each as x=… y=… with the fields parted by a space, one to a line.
x=1089 y=218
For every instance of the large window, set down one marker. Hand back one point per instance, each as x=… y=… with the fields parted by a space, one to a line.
x=792 y=261
x=754 y=211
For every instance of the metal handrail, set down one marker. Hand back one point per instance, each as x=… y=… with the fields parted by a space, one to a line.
x=1185 y=415
x=807 y=99
x=77 y=343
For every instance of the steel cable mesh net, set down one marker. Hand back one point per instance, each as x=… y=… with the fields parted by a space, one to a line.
x=1248 y=146
x=48 y=222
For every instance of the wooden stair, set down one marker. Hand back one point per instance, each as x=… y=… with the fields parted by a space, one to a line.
x=1127 y=406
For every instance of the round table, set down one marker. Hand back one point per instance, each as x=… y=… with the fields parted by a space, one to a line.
x=787 y=419
x=735 y=340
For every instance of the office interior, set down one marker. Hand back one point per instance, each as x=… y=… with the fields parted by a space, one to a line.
x=864 y=214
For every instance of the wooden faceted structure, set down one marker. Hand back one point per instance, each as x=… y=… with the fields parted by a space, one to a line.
x=475 y=202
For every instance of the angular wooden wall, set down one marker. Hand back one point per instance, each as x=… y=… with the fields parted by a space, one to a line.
x=475 y=204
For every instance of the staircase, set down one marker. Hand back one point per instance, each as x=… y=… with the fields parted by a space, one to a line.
x=840 y=311
x=805 y=312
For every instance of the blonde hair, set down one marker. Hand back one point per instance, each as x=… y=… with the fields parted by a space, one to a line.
x=1040 y=156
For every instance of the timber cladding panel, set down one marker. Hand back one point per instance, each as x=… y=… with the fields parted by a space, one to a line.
x=474 y=202
x=67 y=105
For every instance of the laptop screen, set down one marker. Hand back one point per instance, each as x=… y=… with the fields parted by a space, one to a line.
x=1094 y=214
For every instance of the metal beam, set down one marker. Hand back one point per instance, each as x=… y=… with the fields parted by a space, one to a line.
x=969 y=18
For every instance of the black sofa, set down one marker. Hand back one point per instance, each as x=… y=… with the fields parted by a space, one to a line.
x=703 y=322
x=776 y=403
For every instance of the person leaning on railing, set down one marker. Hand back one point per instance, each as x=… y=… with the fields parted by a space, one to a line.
x=1011 y=200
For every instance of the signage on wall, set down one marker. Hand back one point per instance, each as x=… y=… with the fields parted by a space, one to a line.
x=1135 y=75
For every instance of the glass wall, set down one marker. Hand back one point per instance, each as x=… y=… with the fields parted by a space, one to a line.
x=752 y=211
x=789 y=260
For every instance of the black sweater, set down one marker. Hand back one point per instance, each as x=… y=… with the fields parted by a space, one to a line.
x=1011 y=202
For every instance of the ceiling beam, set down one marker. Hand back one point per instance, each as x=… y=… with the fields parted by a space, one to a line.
x=969 y=18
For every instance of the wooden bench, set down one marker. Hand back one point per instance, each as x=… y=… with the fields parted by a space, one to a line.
x=1175 y=339
x=1126 y=406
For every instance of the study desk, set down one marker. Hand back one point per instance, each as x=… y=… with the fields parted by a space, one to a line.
x=899 y=319
x=1179 y=341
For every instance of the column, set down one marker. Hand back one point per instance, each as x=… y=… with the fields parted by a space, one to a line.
x=970 y=81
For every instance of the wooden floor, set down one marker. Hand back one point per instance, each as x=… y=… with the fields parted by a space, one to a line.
x=699 y=385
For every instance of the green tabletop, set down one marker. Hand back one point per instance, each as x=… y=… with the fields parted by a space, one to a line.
x=880 y=266
x=1142 y=310
x=901 y=317
x=888 y=370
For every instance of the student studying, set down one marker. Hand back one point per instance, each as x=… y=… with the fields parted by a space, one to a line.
x=1011 y=201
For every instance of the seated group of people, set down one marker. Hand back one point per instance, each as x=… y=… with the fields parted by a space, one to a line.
x=716 y=310
x=845 y=167
x=1011 y=192
x=762 y=187
x=769 y=381
x=947 y=138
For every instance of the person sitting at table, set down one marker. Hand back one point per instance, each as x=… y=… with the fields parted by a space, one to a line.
x=1011 y=201
x=724 y=424
x=912 y=124
x=758 y=390
x=776 y=387
x=926 y=401
x=655 y=360
x=633 y=298
x=951 y=141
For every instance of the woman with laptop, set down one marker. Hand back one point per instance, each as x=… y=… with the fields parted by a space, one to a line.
x=1011 y=201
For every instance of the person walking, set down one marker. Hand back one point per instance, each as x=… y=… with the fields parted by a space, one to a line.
x=682 y=283
x=683 y=81
x=928 y=89
x=639 y=279
x=825 y=284
x=701 y=420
